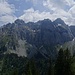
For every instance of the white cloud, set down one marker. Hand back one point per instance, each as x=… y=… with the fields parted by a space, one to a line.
x=64 y=9
x=5 y=8
x=34 y=15
x=54 y=4
x=69 y=2
x=7 y=18
x=6 y=12
x=72 y=11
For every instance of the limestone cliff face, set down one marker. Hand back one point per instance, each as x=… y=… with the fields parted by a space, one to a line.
x=31 y=39
x=73 y=30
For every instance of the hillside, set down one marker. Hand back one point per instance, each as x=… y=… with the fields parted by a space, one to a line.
x=34 y=39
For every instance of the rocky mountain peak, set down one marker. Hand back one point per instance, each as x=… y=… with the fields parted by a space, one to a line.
x=19 y=22
x=34 y=38
x=59 y=21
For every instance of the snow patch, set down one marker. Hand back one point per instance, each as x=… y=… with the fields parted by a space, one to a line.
x=59 y=24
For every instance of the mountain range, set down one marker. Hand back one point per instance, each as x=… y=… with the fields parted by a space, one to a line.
x=38 y=39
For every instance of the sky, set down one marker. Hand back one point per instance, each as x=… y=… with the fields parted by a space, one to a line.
x=34 y=10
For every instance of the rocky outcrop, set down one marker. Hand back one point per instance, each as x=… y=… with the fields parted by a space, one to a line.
x=34 y=38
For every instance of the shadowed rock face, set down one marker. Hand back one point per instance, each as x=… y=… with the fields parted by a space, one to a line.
x=73 y=30
x=34 y=38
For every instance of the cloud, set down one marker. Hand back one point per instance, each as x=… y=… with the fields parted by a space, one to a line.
x=31 y=15
x=61 y=4
x=34 y=15
x=6 y=12
x=7 y=18
x=51 y=9
x=72 y=11
x=64 y=9
x=5 y=8
x=54 y=4
x=69 y=2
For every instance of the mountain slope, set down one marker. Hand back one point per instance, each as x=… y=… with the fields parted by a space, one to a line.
x=32 y=39
x=73 y=30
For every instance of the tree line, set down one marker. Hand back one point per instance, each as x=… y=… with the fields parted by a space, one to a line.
x=63 y=65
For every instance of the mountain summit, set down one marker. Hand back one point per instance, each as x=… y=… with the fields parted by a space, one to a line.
x=34 y=39
x=59 y=21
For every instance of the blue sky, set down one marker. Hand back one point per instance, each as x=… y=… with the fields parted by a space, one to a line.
x=34 y=10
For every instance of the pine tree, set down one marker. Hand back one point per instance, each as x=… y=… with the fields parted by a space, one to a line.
x=14 y=72
x=67 y=63
x=63 y=63
x=59 y=63
x=31 y=68
x=49 y=69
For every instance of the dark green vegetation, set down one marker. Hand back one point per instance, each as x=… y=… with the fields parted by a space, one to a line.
x=11 y=64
